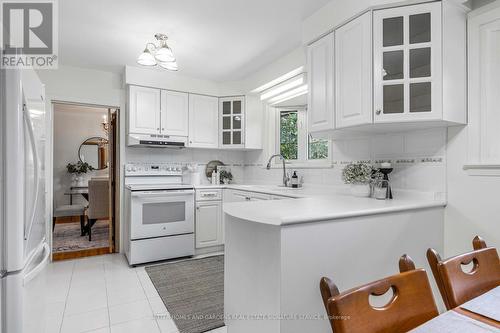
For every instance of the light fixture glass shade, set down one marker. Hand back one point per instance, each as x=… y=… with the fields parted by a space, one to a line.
x=164 y=54
x=146 y=58
x=171 y=65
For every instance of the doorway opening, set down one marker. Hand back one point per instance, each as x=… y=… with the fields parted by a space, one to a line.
x=85 y=156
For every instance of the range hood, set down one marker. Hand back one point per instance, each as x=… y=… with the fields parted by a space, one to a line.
x=156 y=140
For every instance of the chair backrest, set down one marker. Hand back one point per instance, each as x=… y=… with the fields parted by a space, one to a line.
x=328 y=289
x=411 y=305
x=98 y=199
x=458 y=284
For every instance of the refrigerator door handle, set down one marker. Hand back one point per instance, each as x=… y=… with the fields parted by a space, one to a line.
x=27 y=228
x=34 y=272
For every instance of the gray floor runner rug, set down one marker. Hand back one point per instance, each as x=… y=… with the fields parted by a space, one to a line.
x=193 y=292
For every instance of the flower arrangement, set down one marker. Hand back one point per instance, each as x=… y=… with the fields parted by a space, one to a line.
x=226 y=176
x=79 y=168
x=357 y=173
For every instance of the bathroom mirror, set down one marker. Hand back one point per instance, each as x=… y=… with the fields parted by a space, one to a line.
x=94 y=151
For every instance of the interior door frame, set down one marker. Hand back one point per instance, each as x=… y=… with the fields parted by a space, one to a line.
x=115 y=245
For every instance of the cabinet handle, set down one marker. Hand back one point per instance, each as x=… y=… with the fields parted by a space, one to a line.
x=247 y=198
x=158 y=129
x=197 y=207
x=378 y=112
x=162 y=129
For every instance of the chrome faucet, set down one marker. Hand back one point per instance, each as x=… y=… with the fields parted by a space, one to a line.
x=286 y=179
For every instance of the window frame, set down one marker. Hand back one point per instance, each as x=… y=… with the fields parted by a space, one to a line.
x=303 y=160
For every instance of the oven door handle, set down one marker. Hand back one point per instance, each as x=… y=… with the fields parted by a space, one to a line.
x=150 y=194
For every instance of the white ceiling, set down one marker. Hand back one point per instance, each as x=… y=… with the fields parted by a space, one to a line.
x=221 y=40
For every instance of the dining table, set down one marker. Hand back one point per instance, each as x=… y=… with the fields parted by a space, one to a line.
x=479 y=315
x=77 y=190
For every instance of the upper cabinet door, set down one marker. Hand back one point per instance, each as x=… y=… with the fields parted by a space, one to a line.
x=353 y=72
x=407 y=63
x=174 y=113
x=232 y=122
x=320 y=76
x=203 y=121
x=144 y=110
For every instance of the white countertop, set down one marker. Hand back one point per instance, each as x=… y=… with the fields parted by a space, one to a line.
x=319 y=203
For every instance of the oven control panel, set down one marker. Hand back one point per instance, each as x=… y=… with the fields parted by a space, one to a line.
x=153 y=169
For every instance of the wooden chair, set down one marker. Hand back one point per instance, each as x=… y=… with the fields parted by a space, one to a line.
x=458 y=286
x=411 y=305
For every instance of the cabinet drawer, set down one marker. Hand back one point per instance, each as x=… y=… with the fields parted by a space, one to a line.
x=209 y=195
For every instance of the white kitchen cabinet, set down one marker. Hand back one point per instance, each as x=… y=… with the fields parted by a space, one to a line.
x=320 y=111
x=353 y=72
x=203 y=121
x=407 y=63
x=240 y=195
x=232 y=122
x=174 y=113
x=209 y=227
x=144 y=110
x=418 y=76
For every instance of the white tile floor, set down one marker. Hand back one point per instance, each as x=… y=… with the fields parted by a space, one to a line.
x=103 y=294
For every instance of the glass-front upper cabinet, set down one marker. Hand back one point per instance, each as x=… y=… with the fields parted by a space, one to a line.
x=232 y=116
x=407 y=63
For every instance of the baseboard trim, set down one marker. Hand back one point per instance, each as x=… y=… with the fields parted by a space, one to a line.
x=80 y=253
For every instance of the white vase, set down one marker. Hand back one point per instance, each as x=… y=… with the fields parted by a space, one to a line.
x=360 y=190
x=80 y=181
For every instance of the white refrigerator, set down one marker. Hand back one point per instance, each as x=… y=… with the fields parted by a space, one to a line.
x=24 y=252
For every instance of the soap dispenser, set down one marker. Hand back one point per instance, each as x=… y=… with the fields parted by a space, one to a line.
x=295 y=180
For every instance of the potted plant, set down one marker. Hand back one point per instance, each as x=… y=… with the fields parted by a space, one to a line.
x=77 y=170
x=226 y=176
x=358 y=175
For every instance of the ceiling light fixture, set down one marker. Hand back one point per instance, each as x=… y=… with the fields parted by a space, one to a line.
x=160 y=54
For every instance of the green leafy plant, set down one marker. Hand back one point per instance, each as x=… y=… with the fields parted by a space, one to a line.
x=357 y=173
x=224 y=174
x=79 y=168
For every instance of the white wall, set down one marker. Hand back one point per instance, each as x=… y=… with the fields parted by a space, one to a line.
x=72 y=126
x=473 y=201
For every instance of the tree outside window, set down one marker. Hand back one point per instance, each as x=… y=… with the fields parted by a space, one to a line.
x=295 y=144
x=289 y=135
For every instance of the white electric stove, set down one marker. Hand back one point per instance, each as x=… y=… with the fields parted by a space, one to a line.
x=159 y=213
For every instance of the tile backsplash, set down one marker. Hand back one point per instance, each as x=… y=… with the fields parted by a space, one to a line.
x=418 y=158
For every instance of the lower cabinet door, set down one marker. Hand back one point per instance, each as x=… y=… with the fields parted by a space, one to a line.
x=209 y=224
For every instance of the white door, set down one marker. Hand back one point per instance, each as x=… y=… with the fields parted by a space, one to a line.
x=353 y=72
x=34 y=169
x=321 y=90
x=174 y=113
x=203 y=121
x=407 y=63
x=144 y=110
x=208 y=224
